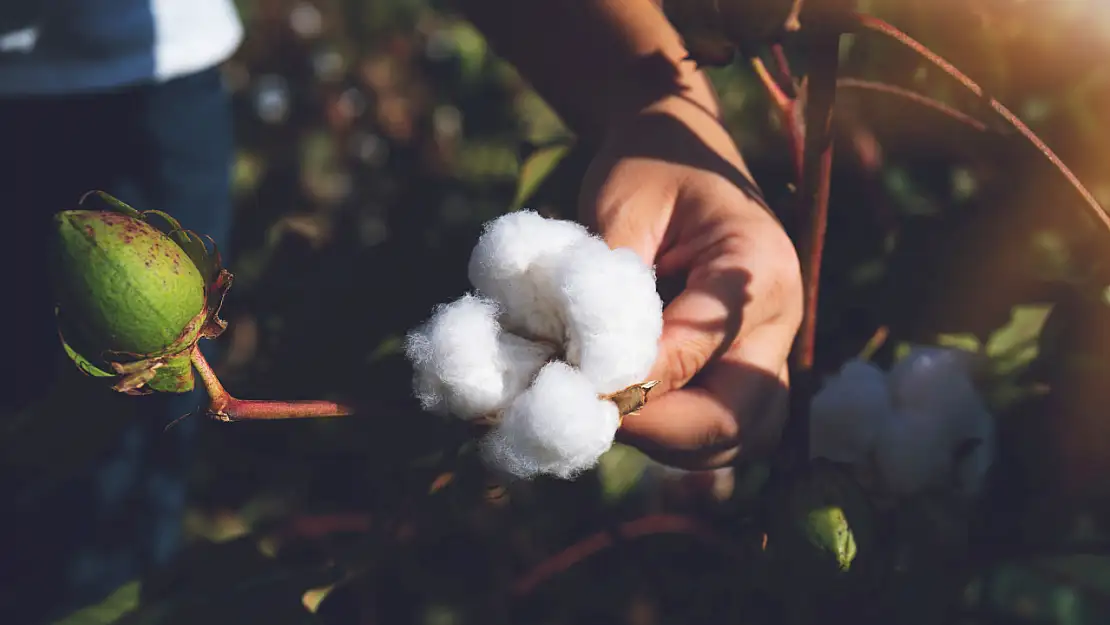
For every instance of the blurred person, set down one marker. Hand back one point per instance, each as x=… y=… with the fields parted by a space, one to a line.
x=669 y=182
x=123 y=96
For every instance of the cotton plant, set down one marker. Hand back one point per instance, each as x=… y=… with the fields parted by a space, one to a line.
x=552 y=347
x=921 y=426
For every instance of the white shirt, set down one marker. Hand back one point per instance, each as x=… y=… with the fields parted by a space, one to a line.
x=78 y=46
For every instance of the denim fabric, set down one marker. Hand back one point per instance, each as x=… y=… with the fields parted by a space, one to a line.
x=166 y=147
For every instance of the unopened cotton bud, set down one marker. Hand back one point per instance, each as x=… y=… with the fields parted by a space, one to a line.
x=465 y=364
x=511 y=264
x=847 y=413
x=614 y=314
x=557 y=427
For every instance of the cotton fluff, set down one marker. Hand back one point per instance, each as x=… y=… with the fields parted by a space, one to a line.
x=513 y=263
x=909 y=425
x=614 y=314
x=940 y=412
x=465 y=364
x=846 y=414
x=559 y=319
x=557 y=427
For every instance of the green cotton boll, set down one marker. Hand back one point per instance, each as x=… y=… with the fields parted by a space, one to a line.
x=121 y=285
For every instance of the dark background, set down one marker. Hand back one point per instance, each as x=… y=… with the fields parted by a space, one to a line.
x=376 y=136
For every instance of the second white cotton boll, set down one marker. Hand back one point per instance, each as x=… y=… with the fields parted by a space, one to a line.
x=465 y=364
x=848 y=412
x=937 y=412
x=613 y=312
x=913 y=453
x=509 y=264
x=557 y=427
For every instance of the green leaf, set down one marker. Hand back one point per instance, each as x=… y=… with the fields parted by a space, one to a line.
x=966 y=342
x=536 y=167
x=123 y=600
x=1013 y=346
x=619 y=470
x=828 y=529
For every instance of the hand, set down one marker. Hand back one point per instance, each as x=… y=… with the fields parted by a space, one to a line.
x=670 y=184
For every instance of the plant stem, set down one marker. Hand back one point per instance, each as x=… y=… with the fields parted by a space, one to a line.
x=813 y=191
x=224 y=407
x=873 y=23
x=645 y=526
x=787 y=106
x=913 y=96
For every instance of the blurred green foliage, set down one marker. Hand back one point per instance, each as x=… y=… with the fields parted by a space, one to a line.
x=376 y=136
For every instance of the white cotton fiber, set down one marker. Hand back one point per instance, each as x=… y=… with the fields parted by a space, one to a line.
x=613 y=312
x=937 y=411
x=913 y=453
x=847 y=413
x=557 y=427
x=510 y=264
x=932 y=378
x=465 y=364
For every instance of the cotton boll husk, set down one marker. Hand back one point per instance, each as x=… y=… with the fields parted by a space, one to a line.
x=848 y=412
x=914 y=452
x=613 y=312
x=557 y=427
x=510 y=264
x=465 y=364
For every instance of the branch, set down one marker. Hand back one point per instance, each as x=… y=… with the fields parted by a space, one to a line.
x=224 y=407
x=813 y=192
x=787 y=107
x=880 y=26
x=645 y=526
x=913 y=96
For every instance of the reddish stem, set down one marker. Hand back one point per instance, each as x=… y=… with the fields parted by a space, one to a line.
x=645 y=526
x=813 y=192
x=224 y=407
x=787 y=106
x=878 y=25
x=913 y=96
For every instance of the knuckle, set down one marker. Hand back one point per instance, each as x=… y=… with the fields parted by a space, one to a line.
x=683 y=362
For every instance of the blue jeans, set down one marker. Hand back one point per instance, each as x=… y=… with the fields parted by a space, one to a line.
x=166 y=147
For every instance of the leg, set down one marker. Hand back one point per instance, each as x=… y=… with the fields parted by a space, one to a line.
x=166 y=147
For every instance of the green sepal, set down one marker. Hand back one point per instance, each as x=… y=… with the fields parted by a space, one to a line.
x=84 y=364
x=116 y=204
x=174 y=376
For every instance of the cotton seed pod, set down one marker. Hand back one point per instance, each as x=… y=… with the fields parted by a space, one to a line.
x=132 y=301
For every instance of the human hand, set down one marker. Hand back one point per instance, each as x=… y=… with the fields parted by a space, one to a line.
x=669 y=183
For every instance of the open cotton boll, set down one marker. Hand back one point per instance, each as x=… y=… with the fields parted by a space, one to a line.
x=972 y=470
x=937 y=381
x=613 y=312
x=465 y=364
x=935 y=378
x=557 y=427
x=914 y=452
x=508 y=265
x=848 y=412
x=972 y=421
